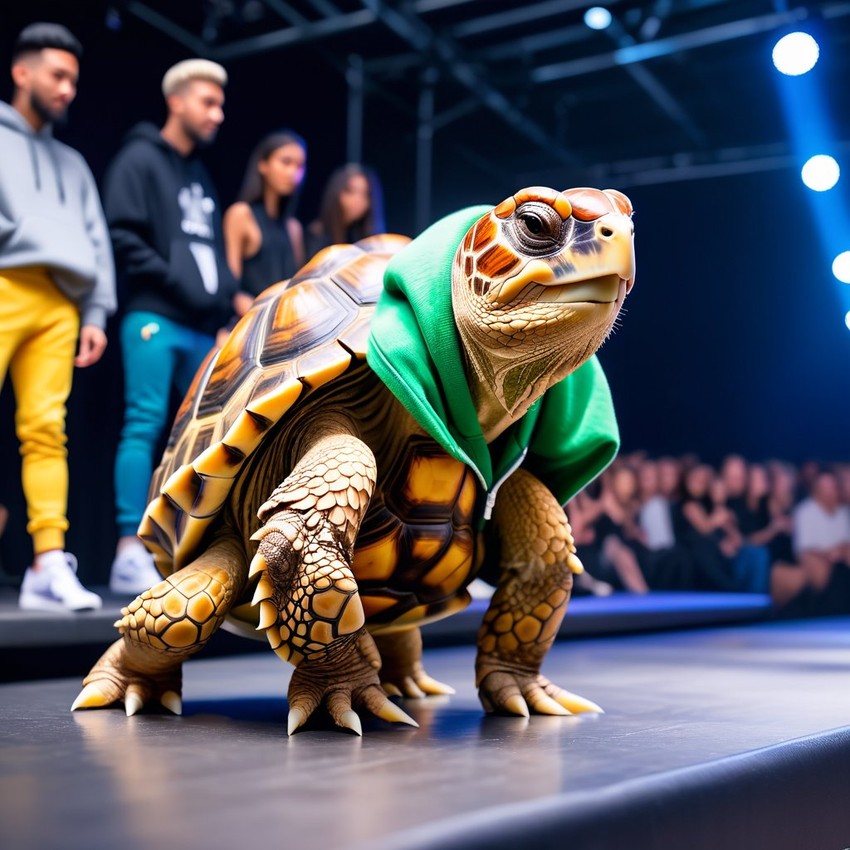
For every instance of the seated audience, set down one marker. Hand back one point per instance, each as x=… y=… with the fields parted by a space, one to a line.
x=821 y=539
x=654 y=517
x=788 y=581
x=708 y=530
x=608 y=530
x=734 y=477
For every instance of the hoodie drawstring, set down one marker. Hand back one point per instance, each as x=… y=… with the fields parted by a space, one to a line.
x=34 y=158
x=56 y=170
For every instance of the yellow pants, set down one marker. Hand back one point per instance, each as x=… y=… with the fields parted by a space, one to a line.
x=38 y=338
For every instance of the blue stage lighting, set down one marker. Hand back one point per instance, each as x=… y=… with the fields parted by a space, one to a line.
x=597 y=18
x=820 y=172
x=795 y=54
x=841 y=266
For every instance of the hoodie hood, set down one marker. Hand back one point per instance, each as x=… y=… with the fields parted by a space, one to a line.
x=12 y=120
x=146 y=131
x=148 y=134
x=165 y=223
x=566 y=438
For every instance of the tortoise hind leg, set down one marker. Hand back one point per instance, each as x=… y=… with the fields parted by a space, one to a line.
x=402 y=673
x=537 y=565
x=161 y=628
x=309 y=603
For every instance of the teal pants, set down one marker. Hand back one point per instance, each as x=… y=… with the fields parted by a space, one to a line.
x=158 y=353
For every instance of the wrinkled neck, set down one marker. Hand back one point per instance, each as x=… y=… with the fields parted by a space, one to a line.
x=485 y=373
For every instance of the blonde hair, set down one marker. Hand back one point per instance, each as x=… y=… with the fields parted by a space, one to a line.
x=192 y=69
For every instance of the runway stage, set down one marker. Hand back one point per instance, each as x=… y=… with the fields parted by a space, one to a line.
x=732 y=737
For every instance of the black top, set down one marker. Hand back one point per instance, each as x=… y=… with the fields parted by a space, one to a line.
x=750 y=521
x=165 y=225
x=318 y=238
x=275 y=260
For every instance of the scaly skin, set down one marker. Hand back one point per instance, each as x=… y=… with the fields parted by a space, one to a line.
x=310 y=608
x=538 y=561
x=161 y=628
x=402 y=673
x=536 y=287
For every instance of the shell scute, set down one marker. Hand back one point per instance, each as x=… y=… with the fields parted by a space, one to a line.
x=299 y=335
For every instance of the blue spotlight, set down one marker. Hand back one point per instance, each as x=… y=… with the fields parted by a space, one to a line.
x=820 y=172
x=795 y=54
x=841 y=266
x=597 y=18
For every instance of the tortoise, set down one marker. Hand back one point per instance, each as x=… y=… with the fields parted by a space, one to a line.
x=338 y=473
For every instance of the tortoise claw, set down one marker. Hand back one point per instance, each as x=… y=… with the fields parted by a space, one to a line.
x=390 y=712
x=546 y=705
x=172 y=701
x=576 y=704
x=513 y=692
x=133 y=703
x=91 y=696
x=516 y=705
x=350 y=720
x=258 y=565
x=432 y=687
x=297 y=718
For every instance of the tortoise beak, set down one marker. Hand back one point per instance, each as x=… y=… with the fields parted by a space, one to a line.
x=535 y=271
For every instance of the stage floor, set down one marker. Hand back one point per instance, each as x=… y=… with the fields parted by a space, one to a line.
x=702 y=709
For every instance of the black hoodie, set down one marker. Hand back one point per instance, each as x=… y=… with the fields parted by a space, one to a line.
x=165 y=225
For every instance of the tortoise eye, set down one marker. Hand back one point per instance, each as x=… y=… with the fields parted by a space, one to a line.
x=532 y=223
x=537 y=228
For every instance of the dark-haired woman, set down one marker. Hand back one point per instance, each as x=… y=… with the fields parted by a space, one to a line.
x=352 y=208
x=263 y=239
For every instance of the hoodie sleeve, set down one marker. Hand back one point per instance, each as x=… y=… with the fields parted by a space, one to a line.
x=576 y=435
x=127 y=213
x=100 y=302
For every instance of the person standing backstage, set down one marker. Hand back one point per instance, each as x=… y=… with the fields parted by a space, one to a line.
x=57 y=287
x=165 y=224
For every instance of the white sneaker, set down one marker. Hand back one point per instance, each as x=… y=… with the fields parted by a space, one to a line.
x=594 y=586
x=54 y=586
x=133 y=570
x=479 y=589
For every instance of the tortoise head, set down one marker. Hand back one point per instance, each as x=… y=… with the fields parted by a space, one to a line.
x=536 y=288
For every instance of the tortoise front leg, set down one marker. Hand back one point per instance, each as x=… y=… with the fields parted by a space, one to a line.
x=310 y=607
x=161 y=628
x=537 y=565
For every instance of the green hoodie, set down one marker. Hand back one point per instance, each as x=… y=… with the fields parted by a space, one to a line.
x=567 y=437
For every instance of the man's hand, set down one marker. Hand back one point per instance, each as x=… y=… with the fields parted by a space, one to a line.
x=92 y=346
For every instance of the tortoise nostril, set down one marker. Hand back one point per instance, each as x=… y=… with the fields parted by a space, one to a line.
x=606 y=232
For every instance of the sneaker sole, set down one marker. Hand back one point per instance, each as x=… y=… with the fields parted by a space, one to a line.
x=124 y=586
x=34 y=602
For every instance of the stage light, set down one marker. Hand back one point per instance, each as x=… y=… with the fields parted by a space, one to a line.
x=820 y=173
x=795 y=54
x=841 y=266
x=597 y=18
x=847 y=320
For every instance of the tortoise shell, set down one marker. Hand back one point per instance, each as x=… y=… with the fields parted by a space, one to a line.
x=299 y=335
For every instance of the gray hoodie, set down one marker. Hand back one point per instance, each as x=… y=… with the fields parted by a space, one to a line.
x=50 y=215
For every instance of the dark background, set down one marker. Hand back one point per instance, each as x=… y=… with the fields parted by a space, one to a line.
x=733 y=339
